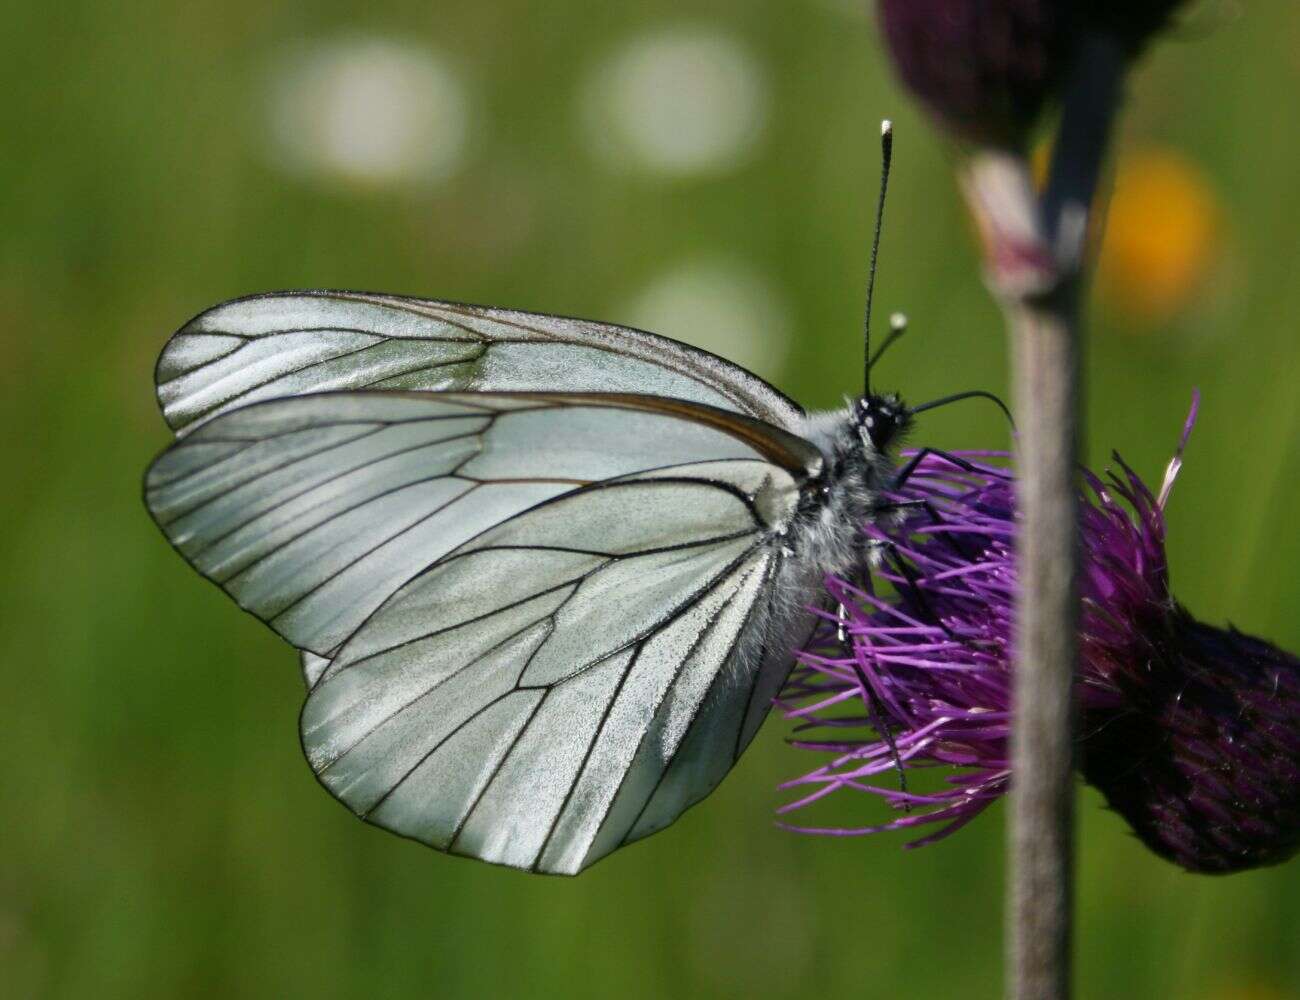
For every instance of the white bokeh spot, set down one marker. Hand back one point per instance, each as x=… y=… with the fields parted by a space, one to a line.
x=722 y=305
x=369 y=110
x=676 y=102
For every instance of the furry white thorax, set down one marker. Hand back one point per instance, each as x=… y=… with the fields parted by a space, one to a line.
x=827 y=538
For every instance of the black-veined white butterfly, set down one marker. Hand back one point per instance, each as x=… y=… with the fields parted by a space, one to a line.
x=545 y=575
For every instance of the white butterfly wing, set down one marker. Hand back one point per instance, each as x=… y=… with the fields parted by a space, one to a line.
x=536 y=627
x=291 y=343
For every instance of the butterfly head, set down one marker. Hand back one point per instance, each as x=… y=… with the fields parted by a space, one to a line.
x=881 y=419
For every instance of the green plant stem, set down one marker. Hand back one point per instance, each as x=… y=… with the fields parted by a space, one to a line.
x=1036 y=250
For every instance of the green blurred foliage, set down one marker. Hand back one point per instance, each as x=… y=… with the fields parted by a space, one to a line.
x=163 y=836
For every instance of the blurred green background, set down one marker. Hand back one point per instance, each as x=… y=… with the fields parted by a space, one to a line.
x=705 y=167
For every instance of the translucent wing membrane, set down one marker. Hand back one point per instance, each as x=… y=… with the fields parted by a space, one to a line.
x=535 y=626
x=292 y=343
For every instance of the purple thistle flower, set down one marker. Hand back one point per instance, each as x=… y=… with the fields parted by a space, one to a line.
x=1190 y=731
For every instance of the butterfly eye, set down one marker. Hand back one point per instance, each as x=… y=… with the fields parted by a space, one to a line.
x=878 y=420
x=881 y=431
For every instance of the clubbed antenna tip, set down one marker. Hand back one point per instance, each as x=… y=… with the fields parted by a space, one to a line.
x=886 y=158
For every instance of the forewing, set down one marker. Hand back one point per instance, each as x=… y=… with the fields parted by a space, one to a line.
x=292 y=343
x=311 y=511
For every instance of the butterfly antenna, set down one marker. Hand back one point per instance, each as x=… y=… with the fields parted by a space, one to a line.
x=973 y=394
x=886 y=158
x=897 y=327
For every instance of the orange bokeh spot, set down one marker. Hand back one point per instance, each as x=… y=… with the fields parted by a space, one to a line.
x=1163 y=233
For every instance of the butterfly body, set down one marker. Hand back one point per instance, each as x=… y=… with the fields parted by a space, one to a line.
x=545 y=575
x=858 y=466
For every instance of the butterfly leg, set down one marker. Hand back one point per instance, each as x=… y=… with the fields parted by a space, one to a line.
x=948 y=538
x=875 y=712
x=905 y=473
x=893 y=505
x=917 y=592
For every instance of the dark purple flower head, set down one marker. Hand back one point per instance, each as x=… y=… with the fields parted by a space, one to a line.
x=1191 y=732
x=984 y=68
x=987 y=69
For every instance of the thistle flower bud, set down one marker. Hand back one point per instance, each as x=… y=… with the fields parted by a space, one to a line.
x=984 y=68
x=987 y=69
x=1191 y=732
